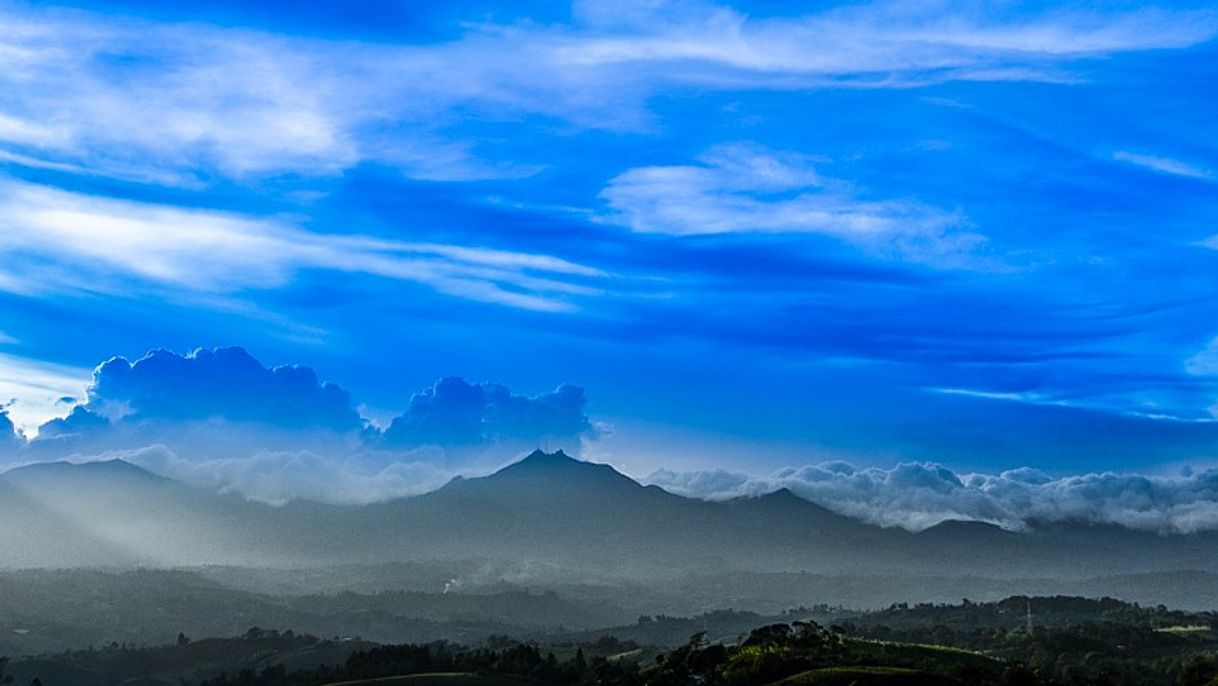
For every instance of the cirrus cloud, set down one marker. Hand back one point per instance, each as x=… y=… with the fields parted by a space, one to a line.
x=104 y=243
x=169 y=93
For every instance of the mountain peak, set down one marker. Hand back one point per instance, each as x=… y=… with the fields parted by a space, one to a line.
x=539 y=463
x=541 y=456
x=551 y=474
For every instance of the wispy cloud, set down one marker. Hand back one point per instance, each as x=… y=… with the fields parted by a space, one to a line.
x=79 y=242
x=182 y=103
x=744 y=188
x=1164 y=165
x=889 y=38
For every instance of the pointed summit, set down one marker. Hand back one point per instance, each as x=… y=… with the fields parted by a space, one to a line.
x=540 y=461
x=548 y=476
x=561 y=467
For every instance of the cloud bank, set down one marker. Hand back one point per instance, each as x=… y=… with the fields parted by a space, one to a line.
x=280 y=477
x=222 y=417
x=916 y=496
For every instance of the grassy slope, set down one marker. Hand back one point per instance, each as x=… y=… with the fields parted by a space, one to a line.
x=868 y=676
x=440 y=679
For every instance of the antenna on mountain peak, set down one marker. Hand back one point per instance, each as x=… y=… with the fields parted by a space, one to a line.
x=1029 y=608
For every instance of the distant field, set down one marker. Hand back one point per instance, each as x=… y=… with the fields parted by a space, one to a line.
x=1186 y=629
x=868 y=676
x=440 y=679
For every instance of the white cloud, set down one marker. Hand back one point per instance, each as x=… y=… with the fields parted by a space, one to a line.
x=180 y=103
x=1164 y=165
x=744 y=188
x=916 y=495
x=38 y=389
x=889 y=38
x=1204 y=363
x=220 y=252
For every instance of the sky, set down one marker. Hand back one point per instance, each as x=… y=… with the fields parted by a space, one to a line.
x=677 y=236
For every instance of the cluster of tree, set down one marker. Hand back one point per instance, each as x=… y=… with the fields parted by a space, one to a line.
x=776 y=652
x=1050 y=611
x=517 y=659
x=1107 y=653
x=769 y=654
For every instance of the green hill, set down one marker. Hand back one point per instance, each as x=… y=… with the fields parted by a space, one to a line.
x=440 y=679
x=868 y=676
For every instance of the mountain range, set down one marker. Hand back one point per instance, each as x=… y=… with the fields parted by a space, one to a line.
x=548 y=510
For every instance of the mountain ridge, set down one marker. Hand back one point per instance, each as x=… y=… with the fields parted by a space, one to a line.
x=546 y=509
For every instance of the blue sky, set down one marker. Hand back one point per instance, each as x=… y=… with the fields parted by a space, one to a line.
x=756 y=235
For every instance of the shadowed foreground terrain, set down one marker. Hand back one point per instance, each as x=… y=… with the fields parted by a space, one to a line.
x=1020 y=640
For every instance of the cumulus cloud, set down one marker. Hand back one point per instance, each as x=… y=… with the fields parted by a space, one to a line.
x=745 y=188
x=916 y=496
x=80 y=422
x=10 y=440
x=224 y=408
x=220 y=384
x=206 y=404
x=457 y=413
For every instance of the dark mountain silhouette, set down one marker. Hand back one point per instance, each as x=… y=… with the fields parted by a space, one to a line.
x=547 y=509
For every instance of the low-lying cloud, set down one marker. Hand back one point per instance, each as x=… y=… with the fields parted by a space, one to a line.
x=280 y=477
x=916 y=496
